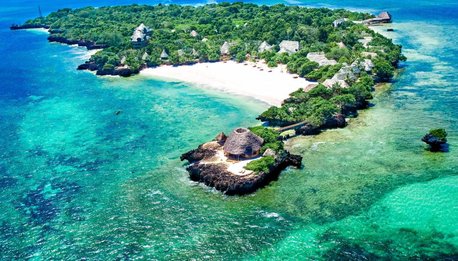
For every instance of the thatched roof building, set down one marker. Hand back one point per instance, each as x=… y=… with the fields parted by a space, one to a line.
x=289 y=47
x=243 y=143
x=140 y=36
x=365 y=41
x=193 y=33
x=145 y=56
x=195 y=53
x=225 y=49
x=320 y=58
x=264 y=47
x=383 y=17
x=339 y=22
x=164 y=55
x=331 y=82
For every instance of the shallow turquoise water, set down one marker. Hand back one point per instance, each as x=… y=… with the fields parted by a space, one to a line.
x=78 y=181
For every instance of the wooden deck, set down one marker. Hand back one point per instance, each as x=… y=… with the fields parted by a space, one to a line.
x=292 y=127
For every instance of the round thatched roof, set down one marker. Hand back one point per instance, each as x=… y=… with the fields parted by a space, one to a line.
x=242 y=141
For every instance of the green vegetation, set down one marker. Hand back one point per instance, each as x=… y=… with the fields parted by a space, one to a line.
x=271 y=138
x=261 y=165
x=244 y=26
x=190 y=34
x=384 y=70
x=440 y=134
x=323 y=73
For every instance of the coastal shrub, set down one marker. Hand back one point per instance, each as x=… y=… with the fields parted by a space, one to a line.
x=322 y=110
x=321 y=91
x=337 y=53
x=383 y=69
x=345 y=100
x=270 y=136
x=306 y=68
x=440 y=134
x=323 y=72
x=261 y=165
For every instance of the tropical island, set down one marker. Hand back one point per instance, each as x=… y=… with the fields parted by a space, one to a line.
x=328 y=60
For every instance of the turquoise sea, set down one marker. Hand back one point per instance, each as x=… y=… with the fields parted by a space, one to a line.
x=78 y=182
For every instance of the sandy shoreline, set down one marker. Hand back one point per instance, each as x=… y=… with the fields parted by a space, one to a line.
x=255 y=80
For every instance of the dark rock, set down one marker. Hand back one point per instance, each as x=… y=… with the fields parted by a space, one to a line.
x=308 y=129
x=88 y=44
x=435 y=144
x=338 y=121
x=221 y=138
x=197 y=154
x=28 y=26
x=91 y=66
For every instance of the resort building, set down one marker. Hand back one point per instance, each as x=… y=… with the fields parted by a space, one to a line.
x=225 y=49
x=365 y=41
x=145 y=56
x=264 y=47
x=164 y=55
x=339 y=22
x=193 y=33
x=289 y=47
x=140 y=36
x=383 y=17
x=242 y=144
x=320 y=58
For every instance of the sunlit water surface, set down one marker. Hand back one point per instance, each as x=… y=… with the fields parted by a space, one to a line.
x=78 y=181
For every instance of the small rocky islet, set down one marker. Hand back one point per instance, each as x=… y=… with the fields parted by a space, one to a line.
x=223 y=163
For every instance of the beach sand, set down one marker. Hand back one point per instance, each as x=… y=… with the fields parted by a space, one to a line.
x=256 y=80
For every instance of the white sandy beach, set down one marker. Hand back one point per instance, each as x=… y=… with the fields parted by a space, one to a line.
x=256 y=80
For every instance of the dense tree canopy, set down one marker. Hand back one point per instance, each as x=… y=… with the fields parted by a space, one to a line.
x=189 y=34
x=243 y=25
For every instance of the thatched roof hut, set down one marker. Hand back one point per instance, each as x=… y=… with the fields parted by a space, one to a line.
x=289 y=47
x=243 y=143
x=164 y=55
x=339 y=22
x=264 y=47
x=332 y=82
x=225 y=48
x=140 y=37
x=385 y=16
x=193 y=33
x=145 y=56
x=195 y=53
x=320 y=58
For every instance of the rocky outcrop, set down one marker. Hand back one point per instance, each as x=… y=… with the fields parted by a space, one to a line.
x=217 y=176
x=91 y=66
x=197 y=154
x=338 y=121
x=435 y=144
x=88 y=44
x=117 y=71
x=28 y=26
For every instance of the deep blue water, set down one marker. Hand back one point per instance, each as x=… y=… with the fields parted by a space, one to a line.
x=77 y=181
